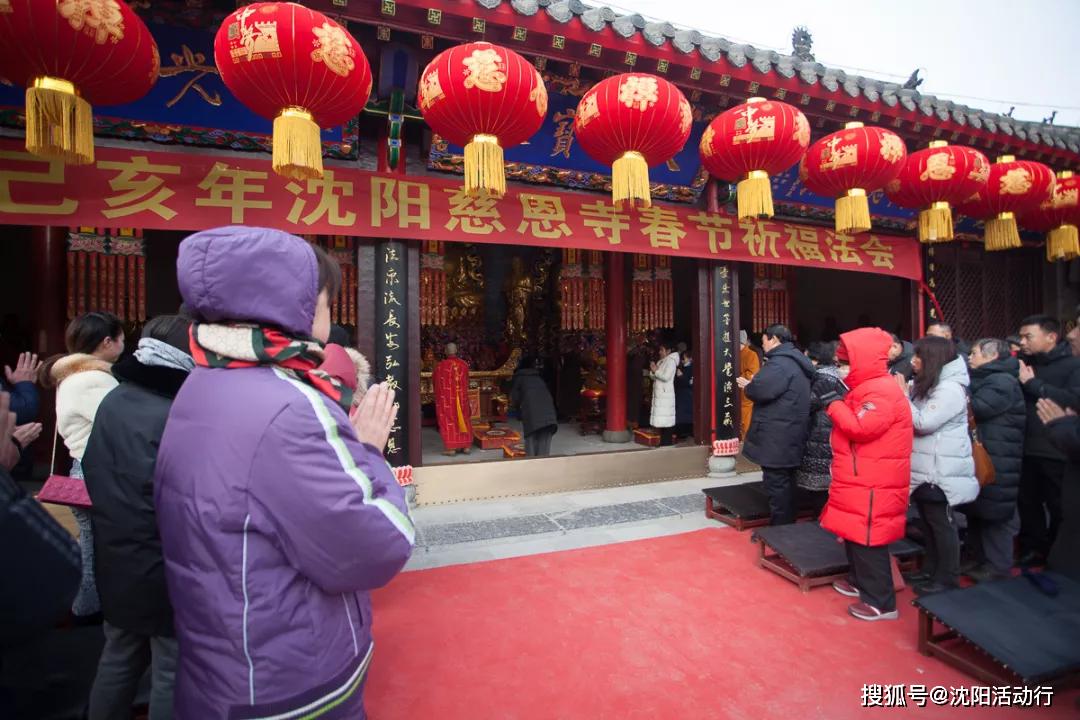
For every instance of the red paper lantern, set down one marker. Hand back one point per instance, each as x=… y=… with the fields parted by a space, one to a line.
x=70 y=54
x=1014 y=187
x=934 y=178
x=750 y=142
x=297 y=67
x=848 y=165
x=632 y=122
x=1059 y=217
x=485 y=98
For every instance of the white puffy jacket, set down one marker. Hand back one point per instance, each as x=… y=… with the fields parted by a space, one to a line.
x=941 y=454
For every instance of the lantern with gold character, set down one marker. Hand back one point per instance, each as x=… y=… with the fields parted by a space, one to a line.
x=849 y=164
x=750 y=142
x=485 y=98
x=632 y=122
x=935 y=178
x=1014 y=187
x=297 y=67
x=1059 y=218
x=69 y=55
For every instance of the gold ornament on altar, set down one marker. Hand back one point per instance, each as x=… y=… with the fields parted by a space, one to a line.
x=520 y=291
x=465 y=286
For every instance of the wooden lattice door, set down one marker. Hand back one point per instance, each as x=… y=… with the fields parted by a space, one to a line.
x=984 y=294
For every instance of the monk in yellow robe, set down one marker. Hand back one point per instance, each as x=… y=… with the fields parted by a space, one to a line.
x=749 y=365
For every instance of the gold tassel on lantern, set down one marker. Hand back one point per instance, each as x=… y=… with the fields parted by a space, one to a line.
x=484 y=171
x=754 y=195
x=297 y=145
x=1001 y=232
x=630 y=180
x=935 y=223
x=852 y=212
x=1063 y=243
x=58 y=122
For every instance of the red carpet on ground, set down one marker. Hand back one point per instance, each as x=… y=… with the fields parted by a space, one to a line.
x=674 y=628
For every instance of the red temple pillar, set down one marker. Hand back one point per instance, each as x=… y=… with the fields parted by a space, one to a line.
x=48 y=261
x=616 y=429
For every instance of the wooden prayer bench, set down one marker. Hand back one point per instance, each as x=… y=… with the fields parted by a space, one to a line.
x=1006 y=632
x=810 y=556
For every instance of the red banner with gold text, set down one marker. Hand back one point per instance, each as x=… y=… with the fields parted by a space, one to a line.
x=180 y=191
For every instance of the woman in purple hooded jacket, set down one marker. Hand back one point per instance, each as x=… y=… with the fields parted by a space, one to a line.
x=277 y=512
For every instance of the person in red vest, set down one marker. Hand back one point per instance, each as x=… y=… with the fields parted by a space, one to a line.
x=871 y=472
x=452 y=410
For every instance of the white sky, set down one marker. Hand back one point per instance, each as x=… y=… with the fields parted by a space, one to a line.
x=970 y=51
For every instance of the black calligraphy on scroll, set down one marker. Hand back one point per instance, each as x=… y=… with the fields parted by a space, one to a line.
x=724 y=353
x=391 y=337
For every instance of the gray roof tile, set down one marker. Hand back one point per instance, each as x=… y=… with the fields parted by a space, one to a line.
x=657 y=33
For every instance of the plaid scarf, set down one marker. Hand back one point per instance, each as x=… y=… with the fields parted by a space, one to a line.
x=245 y=346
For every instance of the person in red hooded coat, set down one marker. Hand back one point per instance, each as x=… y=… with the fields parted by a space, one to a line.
x=871 y=470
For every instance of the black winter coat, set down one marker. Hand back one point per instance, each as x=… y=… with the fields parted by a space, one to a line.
x=1065 y=554
x=781 y=397
x=815 y=472
x=1057 y=377
x=529 y=393
x=684 y=395
x=39 y=564
x=119 y=467
x=997 y=401
x=902 y=364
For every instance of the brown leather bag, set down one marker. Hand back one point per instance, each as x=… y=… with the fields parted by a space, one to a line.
x=984 y=466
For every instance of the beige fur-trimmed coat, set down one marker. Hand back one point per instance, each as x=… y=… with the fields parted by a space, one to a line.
x=82 y=382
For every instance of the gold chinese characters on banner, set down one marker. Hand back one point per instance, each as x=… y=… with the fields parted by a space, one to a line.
x=160 y=190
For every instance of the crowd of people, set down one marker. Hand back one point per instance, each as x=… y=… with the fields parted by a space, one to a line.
x=883 y=436
x=235 y=464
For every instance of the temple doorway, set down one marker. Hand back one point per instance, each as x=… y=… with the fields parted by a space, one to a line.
x=502 y=306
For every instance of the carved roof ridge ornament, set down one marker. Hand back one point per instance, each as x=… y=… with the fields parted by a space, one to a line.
x=627 y=25
x=596 y=19
x=736 y=55
x=525 y=7
x=686 y=40
x=658 y=32
x=490 y=4
x=785 y=65
x=560 y=11
x=711 y=48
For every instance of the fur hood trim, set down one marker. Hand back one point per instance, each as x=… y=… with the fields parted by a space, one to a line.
x=70 y=365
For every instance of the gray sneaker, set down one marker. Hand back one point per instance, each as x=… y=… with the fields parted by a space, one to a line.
x=845 y=588
x=862 y=611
